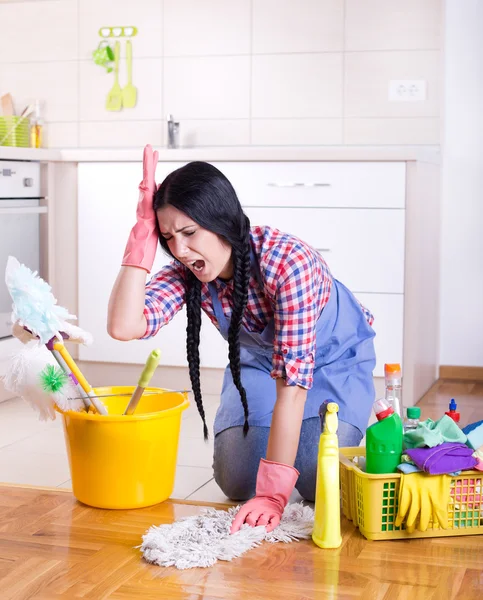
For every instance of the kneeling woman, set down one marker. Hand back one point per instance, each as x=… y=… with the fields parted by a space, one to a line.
x=296 y=335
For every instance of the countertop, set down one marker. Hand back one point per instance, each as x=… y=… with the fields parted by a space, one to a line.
x=233 y=153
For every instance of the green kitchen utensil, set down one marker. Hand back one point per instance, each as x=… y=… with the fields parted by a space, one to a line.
x=104 y=56
x=129 y=91
x=114 y=97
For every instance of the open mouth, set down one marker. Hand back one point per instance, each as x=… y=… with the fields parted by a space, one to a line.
x=198 y=266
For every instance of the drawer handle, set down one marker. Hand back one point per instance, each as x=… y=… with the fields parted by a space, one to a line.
x=291 y=185
x=323 y=249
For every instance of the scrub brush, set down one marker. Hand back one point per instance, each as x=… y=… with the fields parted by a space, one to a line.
x=57 y=384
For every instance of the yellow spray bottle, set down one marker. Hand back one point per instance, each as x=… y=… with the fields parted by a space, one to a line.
x=326 y=533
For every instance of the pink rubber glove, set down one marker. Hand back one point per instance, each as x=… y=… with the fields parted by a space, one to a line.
x=143 y=240
x=275 y=483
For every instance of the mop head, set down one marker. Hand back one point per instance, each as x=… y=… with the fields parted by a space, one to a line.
x=202 y=540
x=32 y=373
x=35 y=307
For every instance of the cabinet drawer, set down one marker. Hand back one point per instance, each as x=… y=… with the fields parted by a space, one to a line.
x=363 y=248
x=388 y=311
x=312 y=184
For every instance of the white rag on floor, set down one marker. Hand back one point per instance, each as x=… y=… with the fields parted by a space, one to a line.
x=202 y=540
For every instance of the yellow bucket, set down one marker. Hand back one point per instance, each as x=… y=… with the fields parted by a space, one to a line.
x=123 y=462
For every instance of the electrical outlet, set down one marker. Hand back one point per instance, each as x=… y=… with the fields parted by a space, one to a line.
x=407 y=90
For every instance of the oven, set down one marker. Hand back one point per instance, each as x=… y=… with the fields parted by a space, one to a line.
x=20 y=210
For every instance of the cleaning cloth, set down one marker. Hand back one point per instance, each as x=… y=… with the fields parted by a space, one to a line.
x=433 y=433
x=422 y=499
x=202 y=540
x=445 y=458
x=474 y=432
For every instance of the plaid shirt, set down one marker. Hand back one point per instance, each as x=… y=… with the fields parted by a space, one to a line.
x=297 y=284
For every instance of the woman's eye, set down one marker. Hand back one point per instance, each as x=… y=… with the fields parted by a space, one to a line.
x=189 y=232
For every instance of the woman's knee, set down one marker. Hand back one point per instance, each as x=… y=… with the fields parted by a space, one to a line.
x=235 y=462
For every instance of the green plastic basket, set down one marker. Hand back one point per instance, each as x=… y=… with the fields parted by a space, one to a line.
x=18 y=132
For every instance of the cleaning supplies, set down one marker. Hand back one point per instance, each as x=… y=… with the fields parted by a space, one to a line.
x=384 y=440
x=474 y=433
x=433 y=433
x=413 y=413
x=423 y=499
x=36 y=128
x=151 y=364
x=452 y=412
x=445 y=458
x=393 y=393
x=326 y=532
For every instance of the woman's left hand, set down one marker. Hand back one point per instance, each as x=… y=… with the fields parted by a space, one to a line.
x=275 y=483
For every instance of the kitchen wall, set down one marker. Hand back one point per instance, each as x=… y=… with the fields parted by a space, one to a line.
x=461 y=339
x=234 y=72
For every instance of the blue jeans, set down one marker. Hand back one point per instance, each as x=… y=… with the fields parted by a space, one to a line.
x=236 y=459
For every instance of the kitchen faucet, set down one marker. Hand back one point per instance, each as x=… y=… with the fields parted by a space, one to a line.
x=173 y=132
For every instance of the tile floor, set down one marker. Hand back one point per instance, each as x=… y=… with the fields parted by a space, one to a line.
x=33 y=452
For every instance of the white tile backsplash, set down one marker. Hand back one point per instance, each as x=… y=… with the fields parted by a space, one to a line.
x=419 y=131
x=233 y=73
x=297 y=85
x=146 y=15
x=94 y=85
x=367 y=75
x=62 y=135
x=54 y=83
x=194 y=28
x=303 y=26
x=304 y=132
x=27 y=31
x=393 y=24
x=214 y=87
x=120 y=134
x=213 y=132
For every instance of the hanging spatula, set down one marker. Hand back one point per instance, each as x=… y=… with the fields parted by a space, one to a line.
x=129 y=91
x=114 y=97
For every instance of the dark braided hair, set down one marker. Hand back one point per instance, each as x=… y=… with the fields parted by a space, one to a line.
x=206 y=196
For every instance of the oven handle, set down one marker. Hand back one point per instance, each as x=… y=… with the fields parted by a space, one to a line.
x=25 y=210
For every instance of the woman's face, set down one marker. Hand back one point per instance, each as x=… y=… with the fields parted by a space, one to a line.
x=205 y=253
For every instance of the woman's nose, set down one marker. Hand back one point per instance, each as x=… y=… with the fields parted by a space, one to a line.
x=181 y=251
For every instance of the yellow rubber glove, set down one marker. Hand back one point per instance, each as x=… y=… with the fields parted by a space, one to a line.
x=424 y=496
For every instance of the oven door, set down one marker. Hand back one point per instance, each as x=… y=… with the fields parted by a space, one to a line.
x=19 y=237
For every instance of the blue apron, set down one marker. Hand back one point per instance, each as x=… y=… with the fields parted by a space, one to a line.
x=344 y=362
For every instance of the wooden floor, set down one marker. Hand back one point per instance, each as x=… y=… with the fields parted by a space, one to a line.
x=53 y=547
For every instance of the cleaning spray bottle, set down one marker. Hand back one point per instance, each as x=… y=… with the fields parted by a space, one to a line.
x=326 y=533
x=384 y=440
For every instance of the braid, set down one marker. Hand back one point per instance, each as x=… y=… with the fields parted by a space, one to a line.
x=241 y=278
x=193 y=312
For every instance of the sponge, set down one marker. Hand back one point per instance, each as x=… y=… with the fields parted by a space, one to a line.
x=474 y=433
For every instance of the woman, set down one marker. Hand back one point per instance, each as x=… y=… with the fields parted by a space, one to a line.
x=296 y=335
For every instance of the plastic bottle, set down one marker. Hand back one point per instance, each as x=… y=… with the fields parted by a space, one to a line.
x=413 y=414
x=36 y=128
x=452 y=412
x=326 y=532
x=393 y=395
x=384 y=440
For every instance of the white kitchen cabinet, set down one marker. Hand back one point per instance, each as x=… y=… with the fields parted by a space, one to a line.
x=364 y=248
x=354 y=213
x=107 y=199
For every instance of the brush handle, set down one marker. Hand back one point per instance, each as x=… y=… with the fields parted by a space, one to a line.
x=133 y=403
x=63 y=365
x=148 y=371
x=101 y=409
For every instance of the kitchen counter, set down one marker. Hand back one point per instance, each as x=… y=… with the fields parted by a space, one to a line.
x=234 y=153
